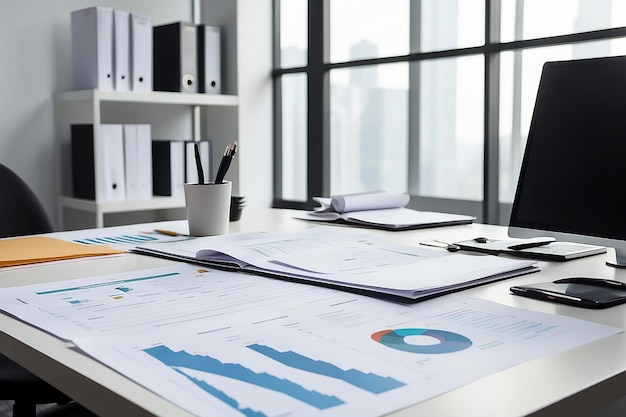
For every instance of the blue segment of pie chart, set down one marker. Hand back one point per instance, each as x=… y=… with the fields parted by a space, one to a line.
x=446 y=342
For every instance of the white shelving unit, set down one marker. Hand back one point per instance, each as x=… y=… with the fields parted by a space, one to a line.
x=87 y=106
x=152 y=97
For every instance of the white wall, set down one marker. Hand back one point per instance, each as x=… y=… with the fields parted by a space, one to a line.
x=254 y=59
x=35 y=63
x=247 y=30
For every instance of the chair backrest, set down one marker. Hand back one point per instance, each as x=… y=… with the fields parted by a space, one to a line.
x=21 y=212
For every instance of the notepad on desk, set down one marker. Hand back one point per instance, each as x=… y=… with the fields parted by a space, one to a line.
x=34 y=249
x=379 y=210
x=344 y=259
x=554 y=251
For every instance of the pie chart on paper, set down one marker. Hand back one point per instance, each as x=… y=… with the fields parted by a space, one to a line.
x=427 y=341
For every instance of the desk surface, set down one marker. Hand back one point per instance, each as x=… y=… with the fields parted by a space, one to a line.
x=572 y=383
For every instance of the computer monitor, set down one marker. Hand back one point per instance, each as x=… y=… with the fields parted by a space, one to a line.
x=572 y=181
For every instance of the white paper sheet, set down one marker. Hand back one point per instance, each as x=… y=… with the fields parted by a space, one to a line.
x=223 y=343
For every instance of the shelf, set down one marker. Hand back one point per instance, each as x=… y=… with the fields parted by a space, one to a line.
x=155 y=203
x=153 y=97
x=87 y=106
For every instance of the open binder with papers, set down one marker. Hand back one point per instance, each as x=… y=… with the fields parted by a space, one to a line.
x=347 y=260
x=379 y=210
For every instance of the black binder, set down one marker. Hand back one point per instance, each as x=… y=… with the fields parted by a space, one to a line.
x=168 y=171
x=175 y=59
x=83 y=166
x=98 y=162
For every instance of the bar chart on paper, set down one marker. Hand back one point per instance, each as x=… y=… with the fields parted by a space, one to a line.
x=205 y=368
x=282 y=374
x=124 y=237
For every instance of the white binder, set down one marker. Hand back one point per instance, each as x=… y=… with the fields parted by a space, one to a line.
x=209 y=59
x=131 y=156
x=141 y=52
x=121 y=50
x=144 y=160
x=138 y=161
x=109 y=151
x=92 y=48
x=178 y=170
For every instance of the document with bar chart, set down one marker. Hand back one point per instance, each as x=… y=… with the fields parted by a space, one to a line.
x=232 y=344
x=128 y=236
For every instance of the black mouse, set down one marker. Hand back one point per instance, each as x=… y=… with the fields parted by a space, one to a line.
x=481 y=239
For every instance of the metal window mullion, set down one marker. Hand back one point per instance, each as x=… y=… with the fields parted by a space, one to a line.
x=414 y=100
x=516 y=128
x=278 y=109
x=318 y=102
x=491 y=207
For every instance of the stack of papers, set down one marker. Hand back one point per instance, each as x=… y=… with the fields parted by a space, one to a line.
x=35 y=249
x=379 y=210
x=345 y=259
x=231 y=344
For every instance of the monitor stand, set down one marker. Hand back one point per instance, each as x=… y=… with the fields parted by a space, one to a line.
x=618 y=259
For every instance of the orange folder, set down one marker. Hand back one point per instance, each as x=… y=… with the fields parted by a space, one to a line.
x=35 y=249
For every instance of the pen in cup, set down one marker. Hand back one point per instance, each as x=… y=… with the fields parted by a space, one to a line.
x=229 y=154
x=199 y=164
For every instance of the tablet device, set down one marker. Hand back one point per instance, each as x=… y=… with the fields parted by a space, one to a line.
x=576 y=291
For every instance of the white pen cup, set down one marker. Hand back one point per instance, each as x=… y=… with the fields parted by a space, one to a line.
x=208 y=208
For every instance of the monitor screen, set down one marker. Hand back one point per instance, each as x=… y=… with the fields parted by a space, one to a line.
x=573 y=174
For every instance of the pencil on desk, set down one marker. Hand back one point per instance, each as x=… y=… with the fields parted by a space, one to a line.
x=167 y=232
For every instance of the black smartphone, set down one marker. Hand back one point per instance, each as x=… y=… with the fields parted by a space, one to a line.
x=589 y=294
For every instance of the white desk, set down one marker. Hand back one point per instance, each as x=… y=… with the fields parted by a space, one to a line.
x=572 y=383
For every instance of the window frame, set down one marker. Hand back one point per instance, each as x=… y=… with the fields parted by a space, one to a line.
x=317 y=71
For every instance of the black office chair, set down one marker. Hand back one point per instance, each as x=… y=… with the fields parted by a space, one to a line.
x=21 y=213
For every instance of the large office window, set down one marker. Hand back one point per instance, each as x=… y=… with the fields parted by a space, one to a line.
x=429 y=97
